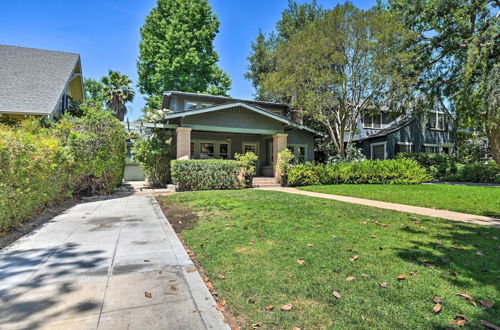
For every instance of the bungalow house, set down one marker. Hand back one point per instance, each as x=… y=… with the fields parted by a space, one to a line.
x=36 y=82
x=382 y=137
x=208 y=126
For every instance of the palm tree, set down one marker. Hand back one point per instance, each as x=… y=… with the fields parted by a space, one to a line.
x=118 y=91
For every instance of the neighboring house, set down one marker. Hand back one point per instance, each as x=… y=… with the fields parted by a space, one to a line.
x=208 y=126
x=382 y=138
x=36 y=82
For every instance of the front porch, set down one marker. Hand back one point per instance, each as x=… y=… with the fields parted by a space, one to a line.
x=197 y=144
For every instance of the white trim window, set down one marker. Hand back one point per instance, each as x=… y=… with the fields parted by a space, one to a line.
x=376 y=121
x=437 y=120
x=378 y=150
x=447 y=148
x=431 y=148
x=405 y=147
x=192 y=105
x=299 y=152
x=210 y=149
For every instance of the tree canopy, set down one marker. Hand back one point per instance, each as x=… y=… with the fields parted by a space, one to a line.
x=176 y=50
x=262 y=59
x=344 y=64
x=118 y=91
x=458 y=47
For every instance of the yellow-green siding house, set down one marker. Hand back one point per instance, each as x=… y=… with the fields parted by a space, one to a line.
x=37 y=82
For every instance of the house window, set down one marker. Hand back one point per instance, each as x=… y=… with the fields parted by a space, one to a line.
x=436 y=120
x=299 y=153
x=431 y=148
x=224 y=151
x=192 y=105
x=377 y=121
x=192 y=150
x=378 y=150
x=405 y=147
x=207 y=150
x=250 y=147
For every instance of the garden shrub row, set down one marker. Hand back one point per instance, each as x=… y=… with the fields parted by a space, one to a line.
x=400 y=171
x=450 y=168
x=196 y=174
x=46 y=165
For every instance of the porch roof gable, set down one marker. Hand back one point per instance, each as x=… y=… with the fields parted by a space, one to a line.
x=246 y=106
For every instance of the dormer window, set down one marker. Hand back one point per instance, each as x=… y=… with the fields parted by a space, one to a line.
x=377 y=121
x=191 y=105
x=436 y=120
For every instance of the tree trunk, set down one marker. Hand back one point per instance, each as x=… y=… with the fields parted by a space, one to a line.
x=493 y=134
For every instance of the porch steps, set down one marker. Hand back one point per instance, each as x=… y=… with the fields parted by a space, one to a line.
x=262 y=181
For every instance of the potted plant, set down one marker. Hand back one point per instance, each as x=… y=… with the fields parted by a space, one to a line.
x=247 y=163
x=285 y=158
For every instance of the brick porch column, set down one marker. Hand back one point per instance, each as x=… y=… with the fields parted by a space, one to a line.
x=183 y=142
x=279 y=144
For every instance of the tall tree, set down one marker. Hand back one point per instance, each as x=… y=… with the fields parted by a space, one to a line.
x=459 y=50
x=177 y=52
x=118 y=91
x=94 y=92
x=262 y=58
x=343 y=65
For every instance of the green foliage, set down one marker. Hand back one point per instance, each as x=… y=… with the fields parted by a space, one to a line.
x=45 y=164
x=154 y=156
x=197 y=174
x=262 y=59
x=450 y=167
x=176 y=49
x=352 y=155
x=247 y=163
x=344 y=64
x=458 y=57
x=284 y=163
x=118 y=91
x=94 y=92
x=400 y=171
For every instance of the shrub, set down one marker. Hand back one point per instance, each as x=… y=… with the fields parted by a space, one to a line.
x=154 y=155
x=284 y=163
x=197 y=174
x=402 y=171
x=46 y=164
x=449 y=168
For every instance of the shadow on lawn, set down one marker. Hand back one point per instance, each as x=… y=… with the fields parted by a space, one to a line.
x=40 y=293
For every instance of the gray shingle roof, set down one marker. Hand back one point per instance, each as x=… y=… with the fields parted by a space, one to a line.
x=32 y=80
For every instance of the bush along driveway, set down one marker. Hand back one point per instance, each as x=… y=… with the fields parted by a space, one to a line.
x=279 y=260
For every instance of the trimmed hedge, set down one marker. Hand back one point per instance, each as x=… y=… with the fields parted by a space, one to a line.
x=449 y=168
x=42 y=166
x=198 y=174
x=401 y=171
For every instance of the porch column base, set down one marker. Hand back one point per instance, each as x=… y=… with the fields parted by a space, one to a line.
x=183 y=142
x=279 y=144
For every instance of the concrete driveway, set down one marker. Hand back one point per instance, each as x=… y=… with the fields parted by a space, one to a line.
x=90 y=267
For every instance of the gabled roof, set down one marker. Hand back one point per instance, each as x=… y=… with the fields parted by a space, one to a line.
x=243 y=105
x=32 y=80
x=395 y=125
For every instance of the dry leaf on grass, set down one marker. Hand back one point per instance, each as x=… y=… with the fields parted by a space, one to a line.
x=486 y=303
x=353 y=259
x=465 y=295
x=350 y=278
x=437 y=301
x=413 y=273
x=219 y=307
x=310 y=245
x=490 y=325
x=269 y=307
x=300 y=261
x=295 y=328
x=364 y=275
x=251 y=243
x=222 y=277
x=373 y=236
x=257 y=325
x=383 y=284
x=191 y=270
x=148 y=294
x=401 y=277
x=286 y=307
x=460 y=323
x=384 y=225
x=437 y=308
x=336 y=294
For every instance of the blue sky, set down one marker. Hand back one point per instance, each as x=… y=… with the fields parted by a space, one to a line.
x=106 y=32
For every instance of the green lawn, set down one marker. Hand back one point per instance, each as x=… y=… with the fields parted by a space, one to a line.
x=255 y=238
x=467 y=199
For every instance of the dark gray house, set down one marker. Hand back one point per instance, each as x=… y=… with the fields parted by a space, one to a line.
x=208 y=126
x=381 y=137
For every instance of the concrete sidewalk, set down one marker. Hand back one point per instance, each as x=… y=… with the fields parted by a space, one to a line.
x=90 y=267
x=450 y=215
